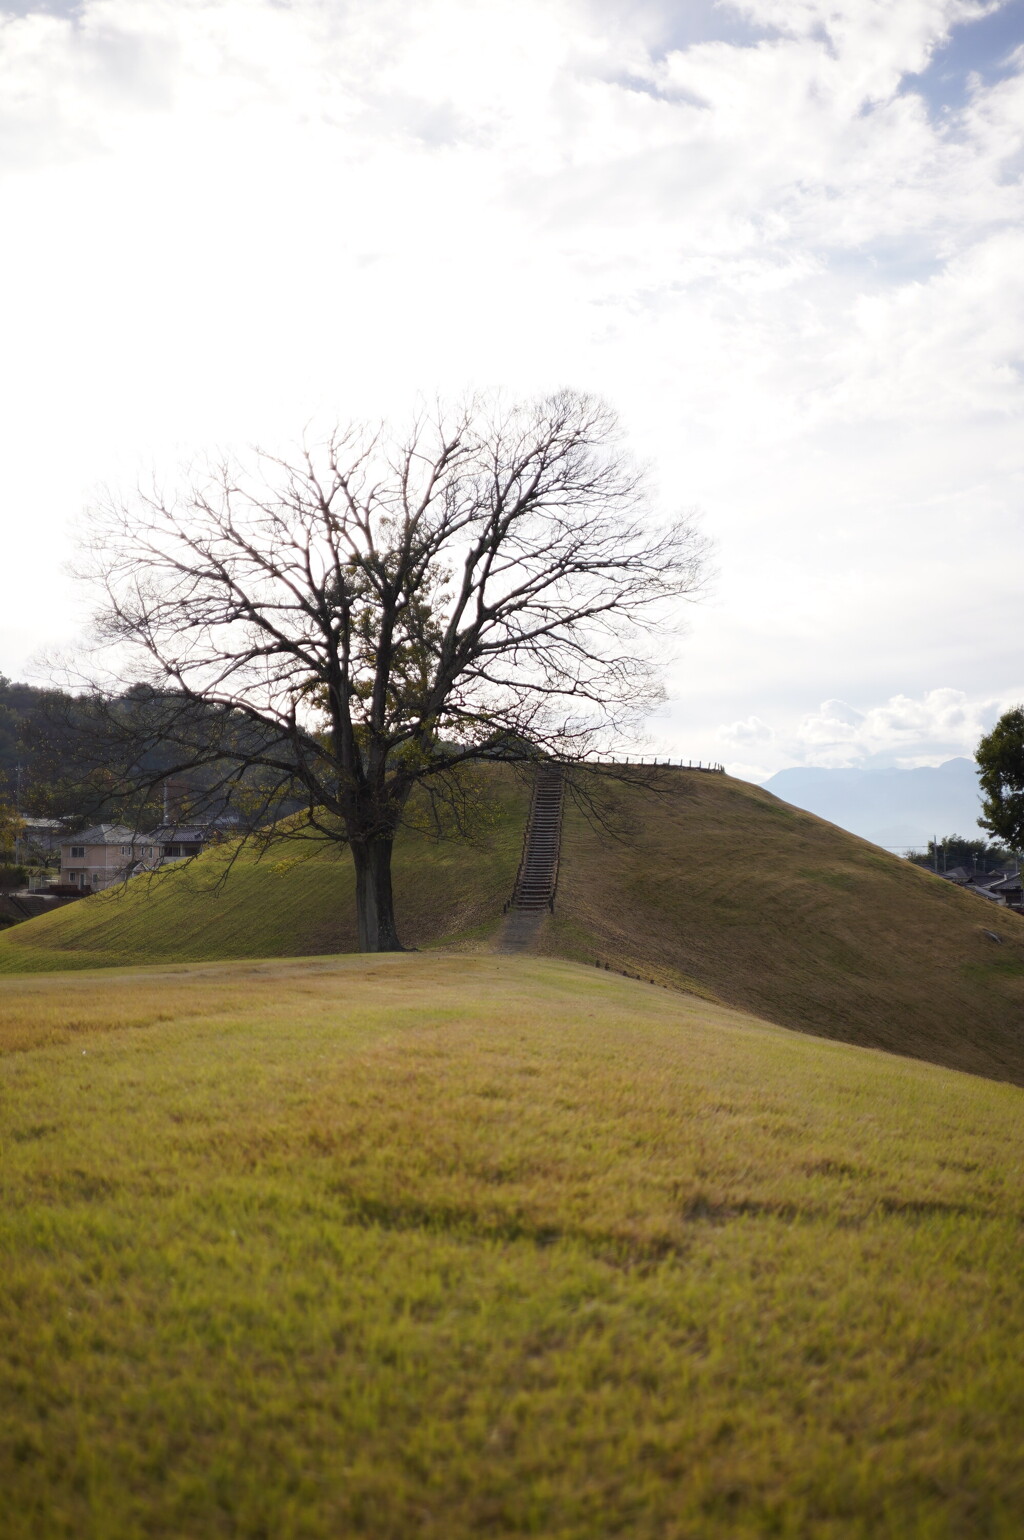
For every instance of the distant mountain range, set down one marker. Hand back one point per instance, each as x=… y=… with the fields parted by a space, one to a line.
x=894 y=808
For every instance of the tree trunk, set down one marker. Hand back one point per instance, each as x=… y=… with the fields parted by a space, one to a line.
x=375 y=909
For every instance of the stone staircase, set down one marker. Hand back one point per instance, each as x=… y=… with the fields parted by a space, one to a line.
x=537 y=878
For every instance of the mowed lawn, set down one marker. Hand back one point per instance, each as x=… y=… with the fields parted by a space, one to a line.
x=460 y=1246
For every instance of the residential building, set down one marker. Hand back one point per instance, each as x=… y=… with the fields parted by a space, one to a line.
x=109 y=853
x=38 y=834
x=173 y=842
x=1001 y=887
x=101 y=856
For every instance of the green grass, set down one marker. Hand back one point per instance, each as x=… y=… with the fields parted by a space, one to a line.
x=296 y=899
x=464 y=1246
x=714 y=887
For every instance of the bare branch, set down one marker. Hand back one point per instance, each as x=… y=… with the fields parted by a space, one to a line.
x=379 y=613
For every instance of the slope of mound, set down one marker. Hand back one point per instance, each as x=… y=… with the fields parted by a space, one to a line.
x=721 y=888
x=466 y=1246
x=712 y=885
x=296 y=900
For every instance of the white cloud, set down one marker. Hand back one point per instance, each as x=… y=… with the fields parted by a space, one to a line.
x=804 y=294
x=902 y=732
x=753 y=730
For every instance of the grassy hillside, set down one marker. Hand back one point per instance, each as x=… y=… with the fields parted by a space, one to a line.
x=295 y=900
x=716 y=886
x=462 y=1246
x=722 y=888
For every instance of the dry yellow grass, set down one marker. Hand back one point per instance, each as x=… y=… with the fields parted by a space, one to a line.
x=470 y=1246
x=725 y=890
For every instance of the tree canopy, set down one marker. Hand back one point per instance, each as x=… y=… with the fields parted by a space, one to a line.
x=952 y=850
x=1000 y=757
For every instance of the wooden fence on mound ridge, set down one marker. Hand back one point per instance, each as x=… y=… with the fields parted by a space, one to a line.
x=655 y=762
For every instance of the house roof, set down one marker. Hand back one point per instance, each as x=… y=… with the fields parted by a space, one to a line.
x=104 y=834
x=964 y=876
x=117 y=834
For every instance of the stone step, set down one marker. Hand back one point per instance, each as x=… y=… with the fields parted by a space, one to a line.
x=538 y=868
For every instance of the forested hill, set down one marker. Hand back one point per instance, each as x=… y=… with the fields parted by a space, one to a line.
x=36 y=751
x=79 y=758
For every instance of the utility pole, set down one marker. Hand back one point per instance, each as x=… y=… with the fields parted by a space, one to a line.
x=17 y=813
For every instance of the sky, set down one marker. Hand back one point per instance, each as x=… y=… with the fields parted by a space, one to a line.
x=783 y=238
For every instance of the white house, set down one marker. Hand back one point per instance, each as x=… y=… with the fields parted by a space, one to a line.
x=108 y=853
x=101 y=856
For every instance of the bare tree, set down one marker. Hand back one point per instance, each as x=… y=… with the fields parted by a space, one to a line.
x=380 y=613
